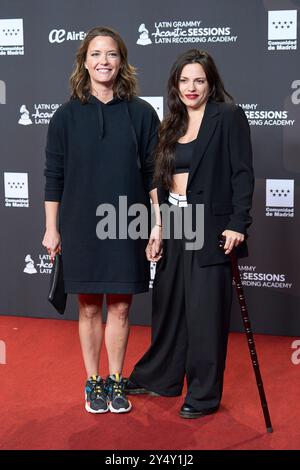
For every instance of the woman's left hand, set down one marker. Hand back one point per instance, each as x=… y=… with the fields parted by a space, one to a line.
x=233 y=239
x=154 y=247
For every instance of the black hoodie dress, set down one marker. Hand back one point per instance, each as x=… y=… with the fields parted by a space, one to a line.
x=95 y=153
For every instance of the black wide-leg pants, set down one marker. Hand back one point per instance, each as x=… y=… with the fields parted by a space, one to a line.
x=190 y=322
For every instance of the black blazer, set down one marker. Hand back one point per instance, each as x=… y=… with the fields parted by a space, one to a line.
x=221 y=177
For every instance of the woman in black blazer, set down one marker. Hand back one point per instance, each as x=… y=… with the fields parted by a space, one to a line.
x=204 y=163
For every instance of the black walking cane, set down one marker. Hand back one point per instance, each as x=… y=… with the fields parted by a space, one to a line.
x=249 y=334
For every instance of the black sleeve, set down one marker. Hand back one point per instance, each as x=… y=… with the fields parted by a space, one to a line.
x=54 y=169
x=150 y=133
x=242 y=178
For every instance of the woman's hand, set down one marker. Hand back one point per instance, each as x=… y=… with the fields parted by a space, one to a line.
x=51 y=242
x=154 y=247
x=233 y=239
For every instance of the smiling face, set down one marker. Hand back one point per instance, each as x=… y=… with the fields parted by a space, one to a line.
x=102 y=61
x=193 y=86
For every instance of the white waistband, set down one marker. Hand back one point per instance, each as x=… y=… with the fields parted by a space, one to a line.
x=177 y=199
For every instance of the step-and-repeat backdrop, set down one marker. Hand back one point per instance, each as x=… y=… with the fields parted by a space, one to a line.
x=255 y=45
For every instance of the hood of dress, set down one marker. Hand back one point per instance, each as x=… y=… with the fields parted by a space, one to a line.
x=92 y=100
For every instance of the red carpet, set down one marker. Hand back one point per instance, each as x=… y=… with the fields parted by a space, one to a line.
x=42 y=404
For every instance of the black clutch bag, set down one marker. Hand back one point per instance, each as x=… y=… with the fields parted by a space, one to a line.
x=57 y=296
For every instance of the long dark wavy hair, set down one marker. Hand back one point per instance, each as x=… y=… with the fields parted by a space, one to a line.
x=125 y=85
x=175 y=124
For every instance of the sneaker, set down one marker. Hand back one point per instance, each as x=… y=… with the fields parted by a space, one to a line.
x=117 y=400
x=95 y=396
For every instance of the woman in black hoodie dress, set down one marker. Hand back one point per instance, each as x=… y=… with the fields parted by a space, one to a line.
x=99 y=148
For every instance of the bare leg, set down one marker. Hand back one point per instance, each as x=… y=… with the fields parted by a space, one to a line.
x=117 y=330
x=90 y=330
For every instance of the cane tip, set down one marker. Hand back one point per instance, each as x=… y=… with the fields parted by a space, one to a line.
x=270 y=429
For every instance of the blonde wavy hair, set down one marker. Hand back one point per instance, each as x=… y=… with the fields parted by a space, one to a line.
x=125 y=85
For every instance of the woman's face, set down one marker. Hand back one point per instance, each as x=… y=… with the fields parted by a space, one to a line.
x=193 y=86
x=103 y=60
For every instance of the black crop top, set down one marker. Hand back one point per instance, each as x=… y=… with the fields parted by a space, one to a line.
x=183 y=156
